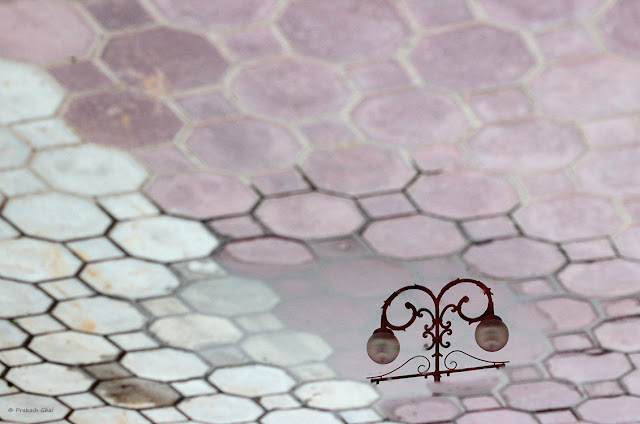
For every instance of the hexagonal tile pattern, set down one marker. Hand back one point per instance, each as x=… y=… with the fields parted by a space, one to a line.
x=632 y=382
x=580 y=367
x=437 y=409
x=202 y=195
x=73 y=348
x=465 y=194
x=13 y=152
x=290 y=89
x=410 y=118
x=566 y=313
x=10 y=335
x=164 y=59
x=136 y=393
x=620 y=335
x=611 y=410
x=56 y=216
x=164 y=238
x=12 y=405
x=529 y=145
x=124 y=119
x=164 y=364
x=343 y=30
x=114 y=15
x=497 y=416
x=222 y=13
x=100 y=315
x=252 y=380
x=107 y=414
x=43 y=32
x=544 y=12
x=614 y=27
x=498 y=56
x=569 y=218
x=337 y=394
x=32 y=260
x=28 y=92
x=514 y=258
x=18 y=299
x=49 y=379
x=610 y=278
x=269 y=251
x=244 y=145
x=286 y=348
x=310 y=215
x=89 y=170
x=595 y=87
x=195 y=331
x=230 y=296
x=610 y=172
x=220 y=408
x=628 y=242
x=540 y=395
x=130 y=278
x=300 y=415
x=407 y=237
x=358 y=170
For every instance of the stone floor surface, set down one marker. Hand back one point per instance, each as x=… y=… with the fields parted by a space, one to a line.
x=204 y=204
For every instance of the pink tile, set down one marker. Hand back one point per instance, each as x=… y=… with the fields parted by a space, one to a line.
x=542 y=12
x=279 y=182
x=433 y=409
x=568 y=218
x=410 y=118
x=79 y=76
x=622 y=335
x=210 y=105
x=603 y=388
x=290 y=89
x=430 y=13
x=541 y=144
x=237 y=227
x=207 y=14
x=501 y=105
x=342 y=247
x=483 y=229
x=343 y=29
x=440 y=158
x=566 y=313
x=611 y=172
x=253 y=43
x=478 y=403
x=611 y=132
x=566 y=42
x=164 y=159
x=571 y=342
x=359 y=170
x=327 y=133
x=617 y=28
x=377 y=76
x=497 y=416
x=523 y=373
x=499 y=57
x=440 y=269
x=557 y=417
x=323 y=314
x=589 y=250
x=269 y=251
x=386 y=205
x=541 y=395
x=611 y=410
x=41 y=32
x=581 y=367
x=627 y=242
x=621 y=307
x=622 y=278
x=116 y=14
x=244 y=145
x=546 y=183
x=536 y=287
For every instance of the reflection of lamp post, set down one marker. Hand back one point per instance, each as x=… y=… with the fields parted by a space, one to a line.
x=491 y=333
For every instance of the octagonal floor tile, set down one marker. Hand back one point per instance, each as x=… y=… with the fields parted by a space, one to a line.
x=195 y=331
x=32 y=260
x=621 y=335
x=252 y=380
x=436 y=409
x=310 y=215
x=541 y=395
x=569 y=218
x=28 y=92
x=499 y=57
x=89 y=170
x=410 y=118
x=567 y=313
x=269 y=251
x=358 y=170
x=609 y=278
x=136 y=393
x=414 y=237
x=628 y=242
x=100 y=315
x=220 y=409
x=611 y=410
x=17 y=299
x=73 y=348
x=11 y=405
x=13 y=152
x=465 y=194
x=514 y=258
x=544 y=12
x=107 y=414
x=244 y=145
x=43 y=32
x=497 y=416
x=124 y=119
x=10 y=335
x=580 y=367
x=230 y=296
x=286 y=348
x=344 y=29
x=290 y=89
x=615 y=26
x=632 y=382
x=49 y=379
x=610 y=172
x=164 y=59
x=207 y=15
x=164 y=238
x=202 y=195
x=56 y=216
x=130 y=278
x=337 y=394
x=595 y=87
x=115 y=15
x=164 y=364
x=529 y=145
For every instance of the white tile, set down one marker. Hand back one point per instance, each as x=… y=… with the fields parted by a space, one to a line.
x=21 y=181
x=69 y=288
x=194 y=388
x=221 y=409
x=40 y=324
x=18 y=299
x=17 y=357
x=49 y=379
x=95 y=249
x=27 y=259
x=360 y=416
x=164 y=415
x=252 y=380
x=134 y=341
x=127 y=206
x=337 y=394
x=285 y=401
x=165 y=364
x=256 y=323
x=13 y=152
x=82 y=400
x=195 y=331
x=99 y=315
x=47 y=133
x=165 y=306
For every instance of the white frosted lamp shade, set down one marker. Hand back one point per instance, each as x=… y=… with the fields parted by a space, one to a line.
x=383 y=346
x=492 y=334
